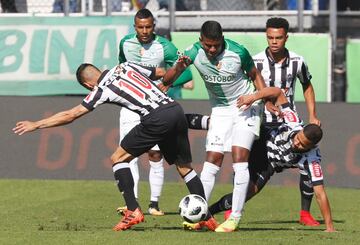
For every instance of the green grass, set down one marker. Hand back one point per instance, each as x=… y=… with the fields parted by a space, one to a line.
x=83 y=212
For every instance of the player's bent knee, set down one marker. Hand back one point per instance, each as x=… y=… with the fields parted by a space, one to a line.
x=120 y=155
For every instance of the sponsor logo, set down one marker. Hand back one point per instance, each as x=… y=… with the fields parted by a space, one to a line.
x=217 y=78
x=290 y=116
x=316 y=169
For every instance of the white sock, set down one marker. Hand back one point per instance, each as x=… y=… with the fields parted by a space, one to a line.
x=207 y=177
x=134 y=168
x=156 y=179
x=241 y=182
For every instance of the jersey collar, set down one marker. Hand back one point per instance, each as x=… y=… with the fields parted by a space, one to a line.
x=272 y=61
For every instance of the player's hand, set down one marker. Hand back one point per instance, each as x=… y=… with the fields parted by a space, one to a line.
x=314 y=120
x=163 y=87
x=183 y=62
x=245 y=101
x=273 y=109
x=24 y=127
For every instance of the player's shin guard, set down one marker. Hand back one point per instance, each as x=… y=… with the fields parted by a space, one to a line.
x=208 y=175
x=134 y=168
x=241 y=182
x=307 y=192
x=125 y=183
x=156 y=179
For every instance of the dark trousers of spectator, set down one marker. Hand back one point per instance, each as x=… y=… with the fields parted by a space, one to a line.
x=8 y=6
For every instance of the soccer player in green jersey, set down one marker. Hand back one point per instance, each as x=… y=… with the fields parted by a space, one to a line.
x=228 y=71
x=146 y=48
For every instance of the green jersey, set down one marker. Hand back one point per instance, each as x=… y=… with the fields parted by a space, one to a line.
x=225 y=76
x=158 y=53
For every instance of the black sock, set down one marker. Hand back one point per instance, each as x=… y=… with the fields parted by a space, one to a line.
x=223 y=204
x=154 y=204
x=194 y=184
x=307 y=192
x=197 y=121
x=125 y=182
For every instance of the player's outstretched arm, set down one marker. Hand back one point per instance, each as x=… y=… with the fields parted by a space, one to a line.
x=324 y=206
x=174 y=72
x=60 y=118
x=265 y=93
x=309 y=96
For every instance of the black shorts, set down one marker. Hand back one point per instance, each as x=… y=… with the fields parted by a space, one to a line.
x=165 y=126
x=258 y=160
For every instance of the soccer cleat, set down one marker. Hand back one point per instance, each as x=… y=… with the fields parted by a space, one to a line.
x=227 y=214
x=229 y=225
x=131 y=218
x=122 y=210
x=307 y=220
x=156 y=211
x=209 y=224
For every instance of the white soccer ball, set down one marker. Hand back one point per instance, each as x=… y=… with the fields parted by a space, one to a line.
x=193 y=208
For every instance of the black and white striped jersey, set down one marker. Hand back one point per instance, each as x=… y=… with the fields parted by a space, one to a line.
x=128 y=85
x=281 y=155
x=282 y=75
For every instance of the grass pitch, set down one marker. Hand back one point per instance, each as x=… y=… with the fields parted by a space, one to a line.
x=83 y=212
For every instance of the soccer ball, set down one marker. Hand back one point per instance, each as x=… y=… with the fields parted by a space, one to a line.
x=193 y=208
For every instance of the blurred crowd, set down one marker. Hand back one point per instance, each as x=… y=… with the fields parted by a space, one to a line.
x=57 y=6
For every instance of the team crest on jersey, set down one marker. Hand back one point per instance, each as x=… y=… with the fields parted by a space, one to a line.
x=289 y=78
x=219 y=65
x=316 y=169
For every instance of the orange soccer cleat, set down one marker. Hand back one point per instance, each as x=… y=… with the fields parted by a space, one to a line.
x=307 y=220
x=210 y=224
x=131 y=218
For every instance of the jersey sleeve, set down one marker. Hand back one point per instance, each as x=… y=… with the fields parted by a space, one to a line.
x=183 y=78
x=304 y=74
x=93 y=99
x=247 y=63
x=192 y=51
x=122 y=58
x=170 y=52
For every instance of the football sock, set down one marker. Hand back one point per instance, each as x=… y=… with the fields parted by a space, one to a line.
x=134 y=168
x=125 y=183
x=208 y=175
x=307 y=192
x=197 y=121
x=154 y=204
x=241 y=182
x=224 y=203
x=194 y=184
x=156 y=179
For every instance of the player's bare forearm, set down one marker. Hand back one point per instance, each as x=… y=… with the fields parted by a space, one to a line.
x=324 y=206
x=264 y=93
x=60 y=118
x=174 y=72
x=309 y=96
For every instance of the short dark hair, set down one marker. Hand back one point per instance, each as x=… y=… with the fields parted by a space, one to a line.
x=277 y=22
x=143 y=14
x=313 y=133
x=79 y=72
x=212 y=29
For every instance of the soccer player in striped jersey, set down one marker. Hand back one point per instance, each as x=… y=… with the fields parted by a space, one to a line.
x=281 y=68
x=290 y=145
x=162 y=122
x=227 y=69
x=146 y=48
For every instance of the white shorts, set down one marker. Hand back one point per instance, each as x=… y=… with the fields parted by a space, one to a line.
x=231 y=126
x=128 y=120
